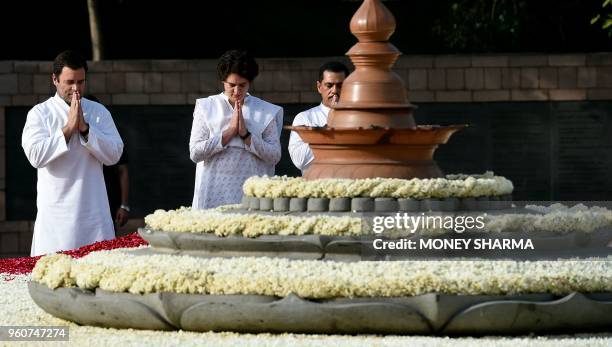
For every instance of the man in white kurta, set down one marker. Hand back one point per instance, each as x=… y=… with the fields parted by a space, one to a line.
x=221 y=170
x=71 y=199
x=300 y=151
x=329 y=85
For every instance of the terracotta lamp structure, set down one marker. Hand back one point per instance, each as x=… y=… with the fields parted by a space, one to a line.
x=371 y=131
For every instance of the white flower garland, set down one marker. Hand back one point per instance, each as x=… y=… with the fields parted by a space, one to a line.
x=250 y=225
x=460 y=186
x=557 y=218
x=120 y=272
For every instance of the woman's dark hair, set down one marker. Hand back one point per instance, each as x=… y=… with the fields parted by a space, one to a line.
x=239 y=62
x=71 y=59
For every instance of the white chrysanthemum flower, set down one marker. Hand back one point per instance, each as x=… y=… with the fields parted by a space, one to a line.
x=120 y=272
x=451 y=186
x=555 y=218
x=250 y=225
x=221 y=222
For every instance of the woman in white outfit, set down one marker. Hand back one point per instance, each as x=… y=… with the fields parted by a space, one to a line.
x=234 y=134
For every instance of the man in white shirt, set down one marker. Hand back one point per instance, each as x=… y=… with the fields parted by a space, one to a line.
x=67 y=139
x=329 y=85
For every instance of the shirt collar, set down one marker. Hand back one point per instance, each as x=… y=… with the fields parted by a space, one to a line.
x=61 y=101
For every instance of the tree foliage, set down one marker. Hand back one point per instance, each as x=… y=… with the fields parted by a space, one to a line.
x=605 y=18
x=481 y=25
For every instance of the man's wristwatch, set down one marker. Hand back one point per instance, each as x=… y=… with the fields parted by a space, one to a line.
x=125 y=207
x=248 y=133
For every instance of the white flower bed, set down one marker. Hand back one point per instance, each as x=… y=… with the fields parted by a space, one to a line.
x=120 y=272
x=557 y=218
x=250 y=225
x=459 y=186
x=18 y=309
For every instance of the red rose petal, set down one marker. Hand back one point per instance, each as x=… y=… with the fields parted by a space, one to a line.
x=19 y=266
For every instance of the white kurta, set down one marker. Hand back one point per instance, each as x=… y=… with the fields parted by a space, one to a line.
x=221 y=170
x=300 y=151
x=72 y=203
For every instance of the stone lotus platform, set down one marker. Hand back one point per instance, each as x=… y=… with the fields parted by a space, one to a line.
x=364 y=204
x=547 y=244
x=423 y=314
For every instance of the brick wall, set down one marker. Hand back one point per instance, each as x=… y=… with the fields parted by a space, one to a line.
x=448 y=78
